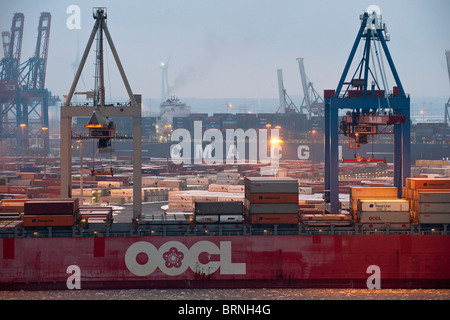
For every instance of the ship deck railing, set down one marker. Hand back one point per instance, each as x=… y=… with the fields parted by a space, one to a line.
x=14 y=229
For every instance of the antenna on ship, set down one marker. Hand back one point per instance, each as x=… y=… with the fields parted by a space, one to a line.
x=100 y=126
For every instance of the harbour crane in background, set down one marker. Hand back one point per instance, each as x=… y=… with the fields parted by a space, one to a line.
x=312 y=101
x=286 y=103
x=9 y=74
x=24 y=99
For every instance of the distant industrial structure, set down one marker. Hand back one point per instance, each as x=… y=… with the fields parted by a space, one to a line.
x=24 y=100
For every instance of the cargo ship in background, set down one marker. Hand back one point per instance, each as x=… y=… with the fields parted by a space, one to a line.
x=89 y=223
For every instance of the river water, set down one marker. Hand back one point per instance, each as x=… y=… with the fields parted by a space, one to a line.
x=231 y=294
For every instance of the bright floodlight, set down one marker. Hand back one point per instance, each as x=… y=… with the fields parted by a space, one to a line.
x=374 y=21
x=373 y=9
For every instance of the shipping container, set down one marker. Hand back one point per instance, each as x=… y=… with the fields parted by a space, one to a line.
x=278 y=208
x=51 y=207
x=376 y=192
x=49 y=220
x=383 y=205
x=320 y=219
x=230 y=218
x=428 y=183
x=272 y=197
x=236 y=189
x=305 y=190
x=218 y=188
x=434 y=207
x=270 y=185
x=435 y=196
x=207 y=218
x=434 y=218
x=220 y=208
x=273 y=218
x=383 y=217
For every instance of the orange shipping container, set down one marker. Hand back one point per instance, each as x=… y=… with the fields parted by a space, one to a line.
x=274 y=218
x=4 y=189
x=49 y=221
x=13 y=202
x=429 y=183
x=273 y=197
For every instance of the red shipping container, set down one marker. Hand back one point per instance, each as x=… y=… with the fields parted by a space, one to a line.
x=51 y=207
x=18 y=189
x=272 y=197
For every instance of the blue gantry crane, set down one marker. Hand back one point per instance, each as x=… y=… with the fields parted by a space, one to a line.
x=24 y=100
x=370 y=105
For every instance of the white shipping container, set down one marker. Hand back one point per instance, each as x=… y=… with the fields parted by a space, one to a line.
x=434 y=218
x=188 y=206
x=230 y=198
x=180 y=197
x=383 y=217
x=236 y=188
x=434 y=207
x=442 y=197
x=197 y=181
x=207 y=219
x=123 y=192
x=86 y=192
x=150 y=182
x=204 y=198
x=110 y=184
x=228 y=176
x=170 y=184
x=383 y=205
x=305 y=190
x=218 y=188
x=270 y=185
x=231 y=218
x=226 y=181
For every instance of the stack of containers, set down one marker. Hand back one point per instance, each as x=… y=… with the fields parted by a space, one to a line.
x=383 y=211
x=370 y=193
x=271 y=200
x=429 y=200
x=51 y=213
x=218 y=212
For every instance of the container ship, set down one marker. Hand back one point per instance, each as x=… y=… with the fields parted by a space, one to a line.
x=223 y=230
x=363 y=222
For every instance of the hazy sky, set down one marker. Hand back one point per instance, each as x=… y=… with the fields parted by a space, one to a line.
x=233 y=48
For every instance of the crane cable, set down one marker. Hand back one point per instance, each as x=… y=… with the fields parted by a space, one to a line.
x=381 y=71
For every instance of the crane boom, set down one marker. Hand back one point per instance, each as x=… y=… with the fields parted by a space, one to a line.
x=41 y=50
x=281 y=92
x=304 y=83
x=6 y=38
x=10 y=63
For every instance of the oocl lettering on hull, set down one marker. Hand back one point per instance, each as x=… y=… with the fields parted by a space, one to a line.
x=174 y=258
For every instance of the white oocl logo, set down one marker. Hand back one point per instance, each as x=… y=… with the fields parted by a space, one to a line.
x=173 y=258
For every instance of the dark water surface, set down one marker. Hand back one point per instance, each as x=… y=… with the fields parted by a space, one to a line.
x=231 y=294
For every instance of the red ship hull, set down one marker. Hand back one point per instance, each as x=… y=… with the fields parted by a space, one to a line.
x=404 y=261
